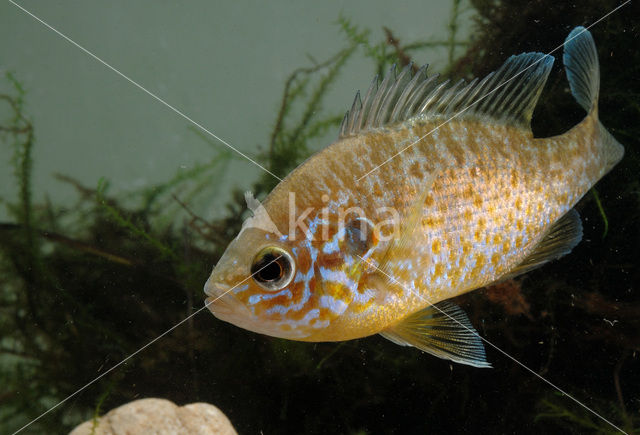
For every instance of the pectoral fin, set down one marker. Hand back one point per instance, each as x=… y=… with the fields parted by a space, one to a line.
x=443 y=330
x=409 y=224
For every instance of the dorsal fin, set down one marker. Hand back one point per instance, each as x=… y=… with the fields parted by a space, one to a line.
x=507 y=95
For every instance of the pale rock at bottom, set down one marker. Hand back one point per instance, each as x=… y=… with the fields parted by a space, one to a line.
x=159 y=417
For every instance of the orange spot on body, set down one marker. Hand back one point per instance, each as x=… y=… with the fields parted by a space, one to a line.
x=324 y=314
x=477 y=268
x=428 y=201
x=298 y=315
x=303 y=262
x=466 y=248
x=514 y=178
x=495 y=260
x=505 y=247
x=452 y=256
x=439 y=270
x=415 y=171
x=359 y=308
x=377 y=191
x=530 y=229
x=482 y=223
x=468 y=193
x=518 y=203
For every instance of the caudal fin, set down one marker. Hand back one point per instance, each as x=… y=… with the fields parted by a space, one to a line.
x=583 y=72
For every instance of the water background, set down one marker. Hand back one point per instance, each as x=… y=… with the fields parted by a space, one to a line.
x=223 y=64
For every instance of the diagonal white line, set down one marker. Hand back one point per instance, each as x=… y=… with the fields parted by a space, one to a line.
x=139 y=86
x=97 y=378
x=488 y=93
x=474 y=332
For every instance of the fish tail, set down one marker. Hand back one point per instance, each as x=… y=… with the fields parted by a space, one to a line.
x=583 y=72
x=613 y=150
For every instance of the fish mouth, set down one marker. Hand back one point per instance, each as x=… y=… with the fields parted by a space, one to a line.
x=227 y=307
x=223 y=304
x=210 y=288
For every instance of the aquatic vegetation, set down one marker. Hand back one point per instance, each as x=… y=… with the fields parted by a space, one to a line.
x=574 y=417
x=81 y=288
x=509 y=295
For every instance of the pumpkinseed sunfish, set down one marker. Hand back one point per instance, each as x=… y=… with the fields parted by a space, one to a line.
x=432 y=190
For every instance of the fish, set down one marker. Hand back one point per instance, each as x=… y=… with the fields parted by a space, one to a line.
x=433 y=189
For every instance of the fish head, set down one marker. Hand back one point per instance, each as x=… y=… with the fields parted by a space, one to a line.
x=254 y=273
x=288 y=287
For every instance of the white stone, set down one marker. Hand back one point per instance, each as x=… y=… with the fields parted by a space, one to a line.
x=159 y=417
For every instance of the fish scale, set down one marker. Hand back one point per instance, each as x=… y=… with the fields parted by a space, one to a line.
x=432 y=190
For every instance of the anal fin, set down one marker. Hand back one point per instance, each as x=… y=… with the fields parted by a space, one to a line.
x=561 y=238
x=443 y=330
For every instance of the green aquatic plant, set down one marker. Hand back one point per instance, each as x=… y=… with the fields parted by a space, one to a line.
x=596 y=198
x=390 y=51
x=555 y=407
x=126 y=222
x=288 y=144
x=98 y=411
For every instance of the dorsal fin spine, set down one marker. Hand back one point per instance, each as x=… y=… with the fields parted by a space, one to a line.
x=459 y=99
x=406 y=93
x=451 y=94
x=377 y=99
x=418 y=93
x=433 y=97
x=366 y=104
x=344 y=129
x=355 y=107
x=391 y=100
x=482 y=91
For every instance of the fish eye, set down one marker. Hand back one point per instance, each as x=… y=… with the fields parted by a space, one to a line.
x=272 y=268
